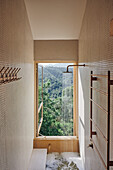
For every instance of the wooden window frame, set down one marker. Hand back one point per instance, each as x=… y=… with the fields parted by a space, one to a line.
x=40 y=108
x=75 y=96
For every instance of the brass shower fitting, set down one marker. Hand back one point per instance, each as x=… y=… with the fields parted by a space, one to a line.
x=77 y=65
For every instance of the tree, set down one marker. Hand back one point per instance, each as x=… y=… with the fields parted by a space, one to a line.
x=53 y=120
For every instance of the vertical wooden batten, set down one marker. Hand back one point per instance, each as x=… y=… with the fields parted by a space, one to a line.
x=35 y=99
x=75 y=116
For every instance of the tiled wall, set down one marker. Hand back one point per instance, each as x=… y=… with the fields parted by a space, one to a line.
x=96 y=51
x=16 y=98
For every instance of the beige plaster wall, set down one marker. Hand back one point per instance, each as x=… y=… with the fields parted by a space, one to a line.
x=58 y=50
x=16 y=98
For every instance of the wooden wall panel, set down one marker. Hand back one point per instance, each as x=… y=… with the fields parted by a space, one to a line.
x=57 y=144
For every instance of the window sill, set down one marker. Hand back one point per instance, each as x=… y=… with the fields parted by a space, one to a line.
x=57 y=143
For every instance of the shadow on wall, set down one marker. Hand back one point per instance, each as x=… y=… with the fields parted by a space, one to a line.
x=84 y=111
x=81 y=110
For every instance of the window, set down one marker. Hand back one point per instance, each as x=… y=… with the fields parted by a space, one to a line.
x=55 y=113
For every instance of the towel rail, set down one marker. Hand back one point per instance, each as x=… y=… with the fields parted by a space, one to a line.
x=99 y=154
x=100 y=107
x=99 y=130
x=100 y=91
x=94 y=77
x=99 y=75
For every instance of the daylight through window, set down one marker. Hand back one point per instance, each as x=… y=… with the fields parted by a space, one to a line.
x=55 y=99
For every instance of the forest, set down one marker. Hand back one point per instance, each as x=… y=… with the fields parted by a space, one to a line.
x=57 y=101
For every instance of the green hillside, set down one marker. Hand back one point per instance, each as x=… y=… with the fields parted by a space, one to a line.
x=58 y=101
x=56 y=77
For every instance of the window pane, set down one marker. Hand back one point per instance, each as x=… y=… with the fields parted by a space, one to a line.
x=57 y=100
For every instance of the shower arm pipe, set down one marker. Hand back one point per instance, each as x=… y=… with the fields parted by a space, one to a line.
x=74 y=66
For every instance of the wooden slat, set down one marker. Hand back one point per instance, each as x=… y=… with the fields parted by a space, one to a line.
x=100 y=107
x=35 y=101
x=100 y=91
x=99 y=155
x=99 y=130
x=75 y=101
x=99 y=75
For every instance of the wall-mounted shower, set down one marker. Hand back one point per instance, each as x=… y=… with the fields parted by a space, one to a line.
x=67 y=71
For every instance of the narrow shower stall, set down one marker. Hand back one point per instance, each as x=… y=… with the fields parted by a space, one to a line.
x=56 y=121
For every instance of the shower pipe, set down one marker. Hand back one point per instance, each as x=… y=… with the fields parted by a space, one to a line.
x=77 y=65
x=94 y=77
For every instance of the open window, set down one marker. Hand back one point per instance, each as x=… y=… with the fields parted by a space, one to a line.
x=55 y=100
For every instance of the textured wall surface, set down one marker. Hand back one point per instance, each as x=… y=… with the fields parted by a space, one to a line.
x=56 y=50
x=96 y=51
x=16 y=98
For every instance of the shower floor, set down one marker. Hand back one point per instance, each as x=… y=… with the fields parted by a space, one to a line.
x=64 y=161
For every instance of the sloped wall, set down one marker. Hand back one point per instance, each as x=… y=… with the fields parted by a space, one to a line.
x=96 y=51
x=16 y=98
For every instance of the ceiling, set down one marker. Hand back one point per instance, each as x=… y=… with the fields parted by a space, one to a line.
x=55 y=19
